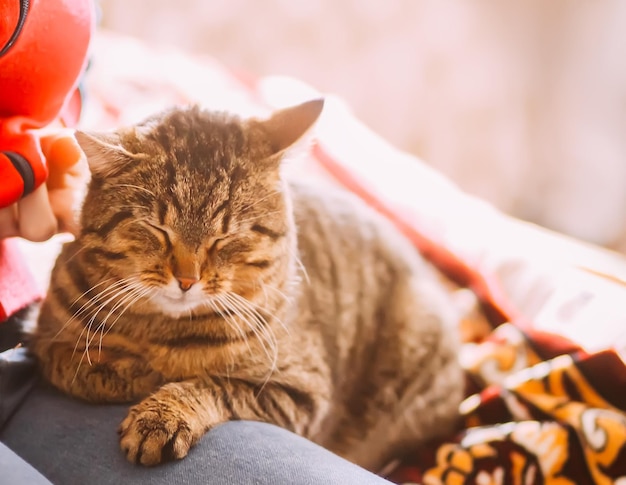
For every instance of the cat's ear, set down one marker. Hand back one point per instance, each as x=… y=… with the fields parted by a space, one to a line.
x=104 y=151
x=287 y=126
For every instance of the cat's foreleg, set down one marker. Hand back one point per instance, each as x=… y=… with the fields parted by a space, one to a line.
x=167 y=424
x=108 y=374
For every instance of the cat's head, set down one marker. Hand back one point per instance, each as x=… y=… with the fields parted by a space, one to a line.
x=188 y=206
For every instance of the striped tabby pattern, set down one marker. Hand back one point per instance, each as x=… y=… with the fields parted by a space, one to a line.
x=206 y=287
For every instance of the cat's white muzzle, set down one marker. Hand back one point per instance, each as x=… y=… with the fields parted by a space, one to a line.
x=176 y=302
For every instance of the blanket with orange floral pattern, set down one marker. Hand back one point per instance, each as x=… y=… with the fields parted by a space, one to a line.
x=539 y=411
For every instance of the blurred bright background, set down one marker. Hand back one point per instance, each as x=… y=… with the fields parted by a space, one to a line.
x=522 y=103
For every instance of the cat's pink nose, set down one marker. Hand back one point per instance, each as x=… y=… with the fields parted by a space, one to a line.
x=186 y=283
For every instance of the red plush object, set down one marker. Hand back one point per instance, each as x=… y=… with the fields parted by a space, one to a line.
x=43 y=52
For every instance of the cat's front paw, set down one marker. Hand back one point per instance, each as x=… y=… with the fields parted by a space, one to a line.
x=156 y=431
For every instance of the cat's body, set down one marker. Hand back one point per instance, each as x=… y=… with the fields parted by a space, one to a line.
x=351 y=345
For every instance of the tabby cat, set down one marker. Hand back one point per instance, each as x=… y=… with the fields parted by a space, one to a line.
x=207 y=286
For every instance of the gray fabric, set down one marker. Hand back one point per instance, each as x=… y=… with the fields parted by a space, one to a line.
x=15 y=471
x=72 y=443
x=18 y=369
x=17 y=377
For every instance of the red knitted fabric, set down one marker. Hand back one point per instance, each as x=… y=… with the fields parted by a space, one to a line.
x=17 y=286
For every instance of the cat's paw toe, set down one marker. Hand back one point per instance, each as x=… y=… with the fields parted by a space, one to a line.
x=150 y=437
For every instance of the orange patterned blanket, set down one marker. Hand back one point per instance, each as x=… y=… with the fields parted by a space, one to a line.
x=539 y=411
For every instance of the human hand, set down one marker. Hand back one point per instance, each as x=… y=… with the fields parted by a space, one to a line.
x=31 y=218
x=68 y=173
x=50 y=208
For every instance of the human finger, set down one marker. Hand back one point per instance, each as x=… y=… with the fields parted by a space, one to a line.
x=62 y=153
x=8 y=221
x=62 y=202
x=35 y=219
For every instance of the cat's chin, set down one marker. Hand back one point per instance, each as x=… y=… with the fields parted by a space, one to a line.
x=176 y=307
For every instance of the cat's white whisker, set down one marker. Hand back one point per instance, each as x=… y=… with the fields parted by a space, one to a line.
x=265 y=295
x=133 y=290
x=256 y=323
x=137 y=296
x=148 y=293
x=119 y=290
x=219 y=306
x=300 y=265
x=76 y=253
x=259 y=200
x=128 y=222
x=93 y=301
x=78 y=367
x=270 y=337
x=234 y=307
x=129 y=206
x=132 y=186
x=227 y=307
x=115 y=288
x=288 y=299
x=248 y=307
x=84 y=293
x=133 y=287
x=111 y=293
x=256 y=307
x=260 y=216
x=87 y=328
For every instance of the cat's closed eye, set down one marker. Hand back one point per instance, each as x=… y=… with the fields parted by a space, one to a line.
x=229 y=247
x=160 y=233
x=218 y=244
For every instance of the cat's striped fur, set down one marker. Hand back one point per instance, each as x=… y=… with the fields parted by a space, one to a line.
x=208 y=288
